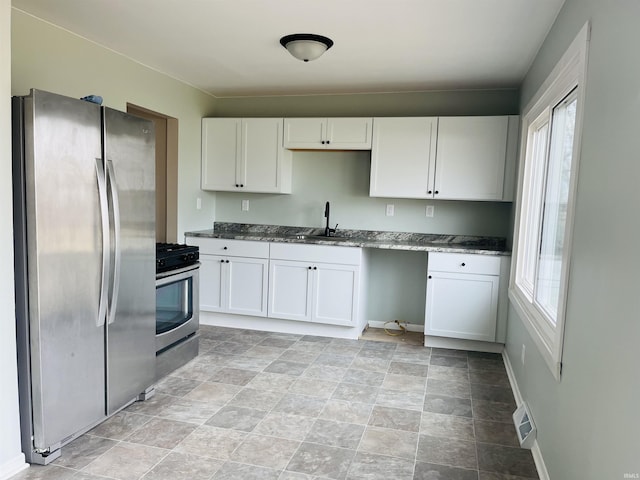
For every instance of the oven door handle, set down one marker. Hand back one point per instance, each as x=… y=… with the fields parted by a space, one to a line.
x=171 y=276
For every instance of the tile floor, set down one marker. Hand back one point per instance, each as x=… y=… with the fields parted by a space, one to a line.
x=257 y=405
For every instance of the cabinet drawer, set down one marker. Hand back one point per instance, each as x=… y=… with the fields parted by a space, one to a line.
x=231 y=248
x=316 y=253
x=464 y=263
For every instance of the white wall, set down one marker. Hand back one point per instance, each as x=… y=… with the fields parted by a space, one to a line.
x=588 y=423
x=11 y=457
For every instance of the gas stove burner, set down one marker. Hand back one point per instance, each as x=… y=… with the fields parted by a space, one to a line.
x=172 y=256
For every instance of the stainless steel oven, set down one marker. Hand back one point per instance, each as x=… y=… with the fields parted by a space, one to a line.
x=177 y=318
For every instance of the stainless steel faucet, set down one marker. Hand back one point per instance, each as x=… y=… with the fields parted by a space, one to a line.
x=327 y=230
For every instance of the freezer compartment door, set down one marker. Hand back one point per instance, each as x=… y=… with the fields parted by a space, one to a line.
x=130 y=167
x=65 y=265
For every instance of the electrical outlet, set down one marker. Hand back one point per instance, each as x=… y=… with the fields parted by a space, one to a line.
x=430 y=210
x=390 y=210
x=245 y=205
x=522 y=354
x=198 y=203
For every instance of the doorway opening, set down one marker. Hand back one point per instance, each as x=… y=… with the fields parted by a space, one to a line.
x=166 y=172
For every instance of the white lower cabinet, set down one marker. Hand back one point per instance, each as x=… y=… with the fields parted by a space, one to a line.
x=234 y=285
x=290 y=293
x=233 y=276
x=304 y=286
x=335 y=291
x=462 y=296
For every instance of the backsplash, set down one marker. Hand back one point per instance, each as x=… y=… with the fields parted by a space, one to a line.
x=342 y=178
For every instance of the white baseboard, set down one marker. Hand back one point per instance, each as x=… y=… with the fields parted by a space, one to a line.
x=13 y=466
x=277 y=325
x=462 y=344
x=535 y=449
x=411 y=327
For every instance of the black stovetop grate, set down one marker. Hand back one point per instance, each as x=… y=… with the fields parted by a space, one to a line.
x=172 y=256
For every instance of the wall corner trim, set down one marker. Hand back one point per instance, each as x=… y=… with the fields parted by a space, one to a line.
x=535 y=449
x=9 y=468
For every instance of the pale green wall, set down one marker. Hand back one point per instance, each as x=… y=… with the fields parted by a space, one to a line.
x=343 y=179
x=49 y=58
x=11 y=457
x=588 y=422
x=445 y=102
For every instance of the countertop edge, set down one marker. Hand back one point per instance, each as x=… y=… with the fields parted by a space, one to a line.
x=359 y=243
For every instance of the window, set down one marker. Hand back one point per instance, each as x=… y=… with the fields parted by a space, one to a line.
x=547 y=182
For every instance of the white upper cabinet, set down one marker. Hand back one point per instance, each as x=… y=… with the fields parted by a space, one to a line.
x=403 y=157
x=245 y=155
x=470 y=159
x=447 y=158
x=328 y=133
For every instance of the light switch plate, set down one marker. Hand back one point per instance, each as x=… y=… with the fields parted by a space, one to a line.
x=390 y=210
x=245 y=205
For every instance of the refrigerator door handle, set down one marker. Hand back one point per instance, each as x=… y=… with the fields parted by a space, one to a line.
x=111 y=181
x=104 y=222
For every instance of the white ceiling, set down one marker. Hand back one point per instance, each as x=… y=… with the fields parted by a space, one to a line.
x=231 y=47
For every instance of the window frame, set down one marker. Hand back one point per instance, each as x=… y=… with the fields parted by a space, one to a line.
x=568 y=75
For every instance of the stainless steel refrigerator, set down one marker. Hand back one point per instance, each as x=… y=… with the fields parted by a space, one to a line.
x=84 y=225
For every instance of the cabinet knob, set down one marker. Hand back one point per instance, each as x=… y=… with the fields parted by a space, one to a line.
x=429 y=276
x=221 y=261
x=436 y=192
x=429 y=191
x=237 y=185
x=227 y=261
x=242 y=186
x=322 y=142
x=315 y=268
x=463 y=264
x=309 y=268
x=328 y=142
x=224 y=248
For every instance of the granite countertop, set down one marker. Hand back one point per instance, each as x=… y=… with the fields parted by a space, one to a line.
x=421 y=242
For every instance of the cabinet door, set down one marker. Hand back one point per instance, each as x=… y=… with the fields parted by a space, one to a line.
x=462 y=306
x=304 y=133
x=261 y=159
x=335 y=294
x=470 y=162
x=402 y=157
x=220 y=153
x=290 y=290
x=247 y=286
x=349 y=133
x=212 y=283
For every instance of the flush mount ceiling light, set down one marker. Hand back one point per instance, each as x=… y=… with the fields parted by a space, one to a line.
x=306 y=46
